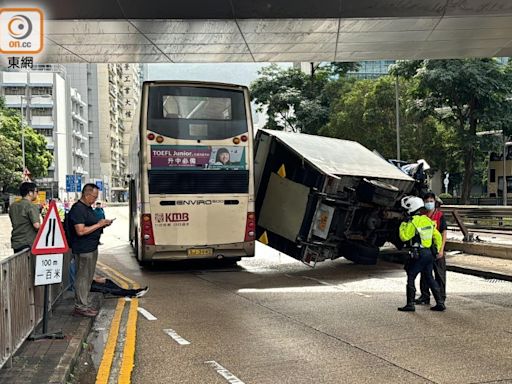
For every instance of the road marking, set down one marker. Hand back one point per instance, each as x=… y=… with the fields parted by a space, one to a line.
x=108 y=353
x=115 y=272
x=318 y=281
x=232 y=379
x=361 y=294
x=125 y=374
x=146 y=313
x=177 y=338
x=128 y=352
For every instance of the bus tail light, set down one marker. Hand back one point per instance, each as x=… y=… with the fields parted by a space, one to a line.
x=243 y=138
x=250 y=227
x=236 y=140
x=159 y=139
x=147 y=230
x=151 y=136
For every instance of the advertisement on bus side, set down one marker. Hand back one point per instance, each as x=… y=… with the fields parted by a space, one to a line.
x=198 y=157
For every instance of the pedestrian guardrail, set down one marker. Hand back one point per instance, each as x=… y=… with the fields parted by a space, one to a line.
x=21 y=303
x=479 y=216
x=473 y=201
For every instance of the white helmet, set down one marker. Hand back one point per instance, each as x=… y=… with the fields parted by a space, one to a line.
x=412 y=203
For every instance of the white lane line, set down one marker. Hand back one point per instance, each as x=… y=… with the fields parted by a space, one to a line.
x=339 y=286
x=146 y=313
x=177 y=338
x=232 y=379
x=318 y=281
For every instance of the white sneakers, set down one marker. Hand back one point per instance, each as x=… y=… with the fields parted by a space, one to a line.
x=142 y=292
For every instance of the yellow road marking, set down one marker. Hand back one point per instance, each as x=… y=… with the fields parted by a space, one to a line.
x=116 y=279
x=129 y=345
x=108 y=354
x=135 y=285
x=128 y=354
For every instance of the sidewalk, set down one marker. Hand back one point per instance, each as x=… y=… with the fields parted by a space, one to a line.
x=50 y=361
x=486 y=267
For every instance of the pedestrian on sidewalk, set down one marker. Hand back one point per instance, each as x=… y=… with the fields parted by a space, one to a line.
x=436 y=215
x=99 y=211
x=25 y=218
x=85 y=231
x=423 y=237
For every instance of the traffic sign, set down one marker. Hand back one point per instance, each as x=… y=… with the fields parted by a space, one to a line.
x=99 y=184
x=48 y=269
x=73 y=183
x=50 y=238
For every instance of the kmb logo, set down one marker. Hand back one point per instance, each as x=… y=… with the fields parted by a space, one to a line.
x=21 y=30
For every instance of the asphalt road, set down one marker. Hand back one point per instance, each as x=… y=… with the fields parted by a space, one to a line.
x=272 y=319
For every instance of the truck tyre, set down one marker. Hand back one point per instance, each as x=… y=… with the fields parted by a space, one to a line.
x=359 y=252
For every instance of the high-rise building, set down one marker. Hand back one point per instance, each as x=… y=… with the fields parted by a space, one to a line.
x=118 y=94
x=132 y=74
x=51 y=107
x=371 y=69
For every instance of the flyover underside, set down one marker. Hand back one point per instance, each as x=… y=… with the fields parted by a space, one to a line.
x=257 y=31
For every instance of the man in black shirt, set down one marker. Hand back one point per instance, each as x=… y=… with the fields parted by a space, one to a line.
x=85 y=232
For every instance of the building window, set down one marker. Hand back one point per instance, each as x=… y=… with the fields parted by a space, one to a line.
x=37 y=91
x=42 y=112
x=15 y=91
x=492 y=176
x=45 y=132
x=500 y=185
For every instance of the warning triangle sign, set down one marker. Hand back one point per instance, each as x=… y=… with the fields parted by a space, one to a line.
x=50 y=237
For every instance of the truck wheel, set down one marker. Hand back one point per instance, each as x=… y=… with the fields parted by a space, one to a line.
x=359 y=252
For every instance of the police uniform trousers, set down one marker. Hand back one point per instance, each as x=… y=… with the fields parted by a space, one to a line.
x=423 y=265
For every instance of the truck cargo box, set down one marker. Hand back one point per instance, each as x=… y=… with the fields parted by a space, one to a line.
x=321 y=198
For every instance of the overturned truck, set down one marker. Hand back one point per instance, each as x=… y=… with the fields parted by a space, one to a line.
x=321 y=198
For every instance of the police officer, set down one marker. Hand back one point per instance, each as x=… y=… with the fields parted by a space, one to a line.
x=422 y=234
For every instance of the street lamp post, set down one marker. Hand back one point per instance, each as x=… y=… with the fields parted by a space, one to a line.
x=23 y=133
x=397 y=106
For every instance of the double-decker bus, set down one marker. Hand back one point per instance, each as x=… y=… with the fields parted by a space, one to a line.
x=191 y=172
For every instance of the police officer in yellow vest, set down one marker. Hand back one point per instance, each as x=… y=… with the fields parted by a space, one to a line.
x=423 y=237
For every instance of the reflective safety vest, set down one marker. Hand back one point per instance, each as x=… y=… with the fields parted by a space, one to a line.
x=424 y=229
x=436 y=217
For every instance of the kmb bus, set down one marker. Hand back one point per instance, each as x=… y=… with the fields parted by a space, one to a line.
x=191 y=172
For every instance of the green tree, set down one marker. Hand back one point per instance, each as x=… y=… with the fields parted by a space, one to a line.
x=10 y=164
x=297 y=101
x=467 y=96
x=366 y=112
x=37 y=157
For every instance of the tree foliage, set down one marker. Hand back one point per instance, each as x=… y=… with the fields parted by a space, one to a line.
x=295 y=100
x=467 y=96
x=366 y=113
x=37 y=157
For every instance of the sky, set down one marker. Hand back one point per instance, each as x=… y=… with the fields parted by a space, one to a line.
x=234 y=73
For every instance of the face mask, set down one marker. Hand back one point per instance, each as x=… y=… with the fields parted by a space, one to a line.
x=429 y=206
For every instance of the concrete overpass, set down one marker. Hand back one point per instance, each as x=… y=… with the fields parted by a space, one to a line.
x=273 y=30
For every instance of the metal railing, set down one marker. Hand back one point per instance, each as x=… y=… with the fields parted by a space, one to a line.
x=21 y=303
x=474 y=200
x=479 y=216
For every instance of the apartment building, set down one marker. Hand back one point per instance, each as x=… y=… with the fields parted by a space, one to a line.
x=118 y=95
x=56 y=111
